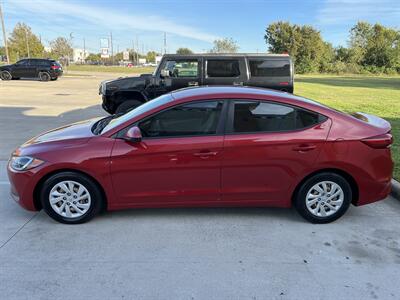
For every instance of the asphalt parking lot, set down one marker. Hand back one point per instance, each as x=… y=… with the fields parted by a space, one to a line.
x=179 y=253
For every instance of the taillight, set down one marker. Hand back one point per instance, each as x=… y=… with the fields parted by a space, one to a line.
x=54 y=67
x=284 y=83
x=379 y=142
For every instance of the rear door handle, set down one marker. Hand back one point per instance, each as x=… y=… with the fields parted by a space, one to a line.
x=304 y=147
x=193 y=83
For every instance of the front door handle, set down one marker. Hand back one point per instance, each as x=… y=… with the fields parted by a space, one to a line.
x=205 y=153
x=238 y=83
x=193 y=83
x=304 y=147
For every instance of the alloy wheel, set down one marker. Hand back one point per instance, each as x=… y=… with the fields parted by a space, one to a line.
x=5 y=75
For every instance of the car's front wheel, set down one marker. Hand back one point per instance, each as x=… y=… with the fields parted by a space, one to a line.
x=323 y=198
x=71 y=198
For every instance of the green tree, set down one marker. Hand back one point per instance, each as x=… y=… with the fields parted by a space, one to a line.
x=151 y=56
x=93 y=57
x=184 y=51
x=376 y=47
x=61 y=47
x=225 y=45
x=304 y=44
x=23 y=43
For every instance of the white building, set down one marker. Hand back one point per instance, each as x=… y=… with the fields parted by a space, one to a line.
x=79 y=55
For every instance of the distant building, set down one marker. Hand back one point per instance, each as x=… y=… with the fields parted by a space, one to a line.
x=79 y=55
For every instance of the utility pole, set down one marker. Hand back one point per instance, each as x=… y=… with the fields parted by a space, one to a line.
x=84 y=50
x=112 y=48
x=27 y=43
x=165 y=42
x=4 y=34
x=133 y=52
x=137 y=50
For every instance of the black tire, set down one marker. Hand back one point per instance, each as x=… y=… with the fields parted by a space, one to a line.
x=5 y=75
x=16 y=78
x=44 y=76
x=127 y=105
x=54 y=79
x=301 y=197
x=96 y=198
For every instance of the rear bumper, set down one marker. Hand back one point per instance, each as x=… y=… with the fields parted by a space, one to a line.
x=56 y=73
x=373 y=191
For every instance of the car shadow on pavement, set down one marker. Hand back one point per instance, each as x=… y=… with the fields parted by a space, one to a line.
x=242 y=213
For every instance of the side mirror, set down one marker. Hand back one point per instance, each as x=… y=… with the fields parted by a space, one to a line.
x=164 y=73
x=133 y=135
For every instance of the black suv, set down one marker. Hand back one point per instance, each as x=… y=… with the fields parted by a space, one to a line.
x=44 y=69
x=178 y=71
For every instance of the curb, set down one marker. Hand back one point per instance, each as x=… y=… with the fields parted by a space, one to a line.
x=395 y=189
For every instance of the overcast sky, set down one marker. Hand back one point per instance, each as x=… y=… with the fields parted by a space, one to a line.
x=192 y=24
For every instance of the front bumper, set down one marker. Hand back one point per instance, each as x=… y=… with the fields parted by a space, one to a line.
x=22 y=186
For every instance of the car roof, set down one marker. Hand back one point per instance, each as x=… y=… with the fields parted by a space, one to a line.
x=216 y=55
x=239 y=91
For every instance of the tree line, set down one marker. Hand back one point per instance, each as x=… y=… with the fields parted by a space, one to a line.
x=372 y=48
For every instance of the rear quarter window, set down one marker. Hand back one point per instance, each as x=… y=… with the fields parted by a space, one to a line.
x=269 y=68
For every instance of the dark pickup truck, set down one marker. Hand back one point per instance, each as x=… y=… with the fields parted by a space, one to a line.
x=274 y=71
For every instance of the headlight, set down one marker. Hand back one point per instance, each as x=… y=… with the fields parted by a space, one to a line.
x=23 y=163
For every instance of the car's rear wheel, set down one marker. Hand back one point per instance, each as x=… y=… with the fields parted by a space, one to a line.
x=5 y=75
x=323 y=198
x=71 y=198
x=127 y=105
x=44 y=76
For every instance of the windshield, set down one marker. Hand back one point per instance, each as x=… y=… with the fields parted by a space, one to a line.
x=137 y=111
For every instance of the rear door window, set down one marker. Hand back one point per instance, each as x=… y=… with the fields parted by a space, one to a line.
x=260 y=116
x=222 y=68
x=269 y=68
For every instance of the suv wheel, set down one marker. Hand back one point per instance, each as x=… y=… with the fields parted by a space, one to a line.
x=127 y=105
x=44 y=76
x=323 y=198
x=5 y=75
x=71 y=198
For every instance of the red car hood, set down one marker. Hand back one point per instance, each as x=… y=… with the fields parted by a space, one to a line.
x=75 y=131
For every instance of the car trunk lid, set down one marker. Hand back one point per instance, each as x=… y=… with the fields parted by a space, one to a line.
x=382 y=137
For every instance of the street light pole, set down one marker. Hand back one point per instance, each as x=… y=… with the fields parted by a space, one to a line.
x=27 y=43
x=4 y=34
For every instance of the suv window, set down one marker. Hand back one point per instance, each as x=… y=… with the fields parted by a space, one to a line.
x=194 y=119
x=37 y=62
x=269 y=68
x=256 y=116
x=182 y=68
x=23 y=62
x=223 y=68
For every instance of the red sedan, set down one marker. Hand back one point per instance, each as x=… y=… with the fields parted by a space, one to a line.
x=210 y=146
